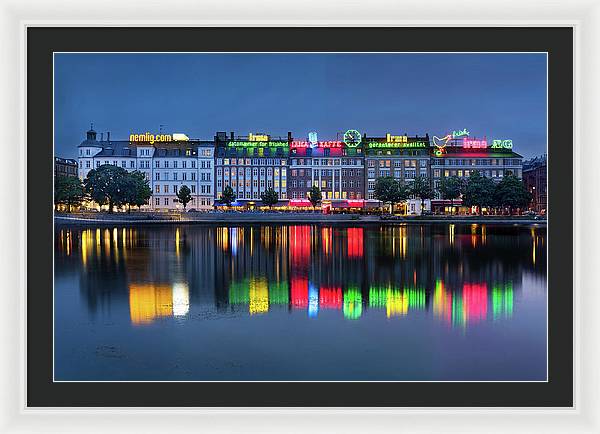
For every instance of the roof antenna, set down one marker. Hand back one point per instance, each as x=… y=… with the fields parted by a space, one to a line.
x=91 y=126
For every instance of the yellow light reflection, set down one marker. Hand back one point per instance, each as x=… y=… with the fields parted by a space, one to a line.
x=259 y=296
x=451 y=234
x=149 y=301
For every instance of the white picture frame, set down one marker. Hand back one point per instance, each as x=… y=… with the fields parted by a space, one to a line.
x=582 y=15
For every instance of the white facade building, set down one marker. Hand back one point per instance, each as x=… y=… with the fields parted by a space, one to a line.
x=167 y=165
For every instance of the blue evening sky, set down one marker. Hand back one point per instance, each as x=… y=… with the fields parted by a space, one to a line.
x=494 y=95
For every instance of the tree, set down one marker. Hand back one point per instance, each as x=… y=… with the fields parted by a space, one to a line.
x=389 y=190
x=511 y=193
x=314 y=196
x=184 y=195
x=137 y=189
x=269 y=197
x=479 y=191
x=107 y=185
x=228 y=196
x=421 y=188
x=68 y=190
x=451 y=188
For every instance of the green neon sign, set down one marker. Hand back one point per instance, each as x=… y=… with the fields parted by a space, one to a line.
x=352 y=138
x=502 y=144
x=257 y=144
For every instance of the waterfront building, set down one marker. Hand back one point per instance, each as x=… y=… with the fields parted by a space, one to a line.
x=168 y=162
x=65 y=167
x=460 y=156
x=250 y=165
x=535 y=180
x=400 y=156
x=335 y=167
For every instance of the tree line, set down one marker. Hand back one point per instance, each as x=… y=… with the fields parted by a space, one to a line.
x=477 y=190
x=107 y=185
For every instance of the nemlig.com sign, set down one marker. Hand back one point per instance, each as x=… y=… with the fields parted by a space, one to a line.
x=150 y=138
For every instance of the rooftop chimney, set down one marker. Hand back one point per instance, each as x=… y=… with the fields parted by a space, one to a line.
x=289 y=136
x=232 y=138
x=108 y=136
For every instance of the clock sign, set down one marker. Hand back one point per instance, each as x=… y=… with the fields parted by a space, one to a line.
x=352 y=138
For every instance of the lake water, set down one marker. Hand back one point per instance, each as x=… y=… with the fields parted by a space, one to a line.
x=300 y=302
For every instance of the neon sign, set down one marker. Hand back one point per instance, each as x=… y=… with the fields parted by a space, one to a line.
x=352 y=138
x=397 y=145
x=305 y=144
x=180 y=137
x=501 y=144
x=474 y=143
x=395 y=139
x=312 y=138
x=256 y=144
x=440 y=144
x=460 y=133
x=257 y=137
x=150 y=138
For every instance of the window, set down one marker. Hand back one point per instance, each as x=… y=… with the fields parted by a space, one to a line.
x=157 y=176
x=157 y=163
x=132 y=164
x=87 y=164
x=166 y=188
x=175 y=164
x=157 y=201
x=175 y=176
x=166 y=164
x=157 y=188
x=166 y=202
x=175 y=189
x=123 y=164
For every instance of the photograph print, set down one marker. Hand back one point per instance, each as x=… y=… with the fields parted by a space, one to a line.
x=331 y=217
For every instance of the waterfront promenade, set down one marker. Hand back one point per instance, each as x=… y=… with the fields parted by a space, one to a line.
x=274 y=217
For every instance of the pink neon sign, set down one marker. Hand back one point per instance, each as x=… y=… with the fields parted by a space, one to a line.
x=474 y=143
x=305 y=144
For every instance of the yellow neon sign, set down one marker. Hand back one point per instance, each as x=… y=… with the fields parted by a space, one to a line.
x=395 y=139
x=150 y=138
x=258 y=137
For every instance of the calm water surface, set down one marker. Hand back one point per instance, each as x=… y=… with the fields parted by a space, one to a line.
x=285 y=302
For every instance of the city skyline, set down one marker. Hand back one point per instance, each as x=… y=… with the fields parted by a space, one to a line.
x=492 y=95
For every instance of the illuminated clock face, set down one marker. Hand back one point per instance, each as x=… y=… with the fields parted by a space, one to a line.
x=352 y=138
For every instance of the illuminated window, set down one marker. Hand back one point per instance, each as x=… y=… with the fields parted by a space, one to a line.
x=157 y=188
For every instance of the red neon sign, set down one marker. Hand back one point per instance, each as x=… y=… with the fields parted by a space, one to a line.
x=305 y=144
x=474 y=143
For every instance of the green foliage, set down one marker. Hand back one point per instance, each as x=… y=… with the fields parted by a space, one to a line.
x=421 y=188
x=479 y=191
x=389 y=190
x=137 y=189
x=511 y=193
x=228 y=196
x=269 y=197
x=107 y=185
x=184 y=195
x=68 y=190
x=314 y=196
x=451 y=187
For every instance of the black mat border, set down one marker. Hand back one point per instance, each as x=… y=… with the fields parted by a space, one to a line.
x=43 y=41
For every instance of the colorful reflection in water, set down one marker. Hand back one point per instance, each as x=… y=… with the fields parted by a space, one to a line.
x=395 y=289
x=459 y=304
